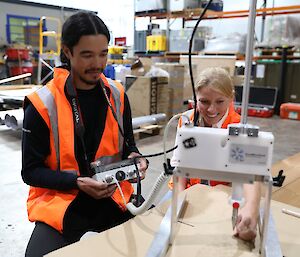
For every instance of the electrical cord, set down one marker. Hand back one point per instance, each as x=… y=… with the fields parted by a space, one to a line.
x=138 y=197
x=139 y=185
x=156 y=154
x=190 y=60
x=162 y=177
x=155 y=190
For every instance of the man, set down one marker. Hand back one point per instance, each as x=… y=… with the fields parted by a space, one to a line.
x=77 y=118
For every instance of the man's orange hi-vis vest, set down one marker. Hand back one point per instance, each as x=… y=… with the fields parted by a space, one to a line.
x=48 y=205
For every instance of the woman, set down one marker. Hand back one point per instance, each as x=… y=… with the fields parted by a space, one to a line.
x=215 y=94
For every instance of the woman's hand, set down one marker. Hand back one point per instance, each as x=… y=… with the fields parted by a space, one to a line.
x=141 y=162
x=246 y=223
x=94 y=188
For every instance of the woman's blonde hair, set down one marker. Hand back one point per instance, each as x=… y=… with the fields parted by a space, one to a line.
x=218 y=79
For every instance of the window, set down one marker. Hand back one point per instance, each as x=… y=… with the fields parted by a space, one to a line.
x=23 y=29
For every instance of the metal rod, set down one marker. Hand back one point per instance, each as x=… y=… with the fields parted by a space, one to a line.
x=248 y=64
x=282 y=82
x=22 y=76
x=264 y=234
x=39 y=73
x=272 y=247
x=16 y=123
x=160 y=243
x=173 y=220
x=263 y=22
x=168 y=26
x=146 y=120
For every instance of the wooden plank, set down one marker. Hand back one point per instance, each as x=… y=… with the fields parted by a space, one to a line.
x=15 y=87
x=179 y=53
x=146 y=131
x=289 y=193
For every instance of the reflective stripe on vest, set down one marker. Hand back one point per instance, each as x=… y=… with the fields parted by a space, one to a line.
x=48 y=100
x=117 y=101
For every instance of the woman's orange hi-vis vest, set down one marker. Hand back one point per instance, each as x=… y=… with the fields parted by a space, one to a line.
x=231 y=118
x=48 y=205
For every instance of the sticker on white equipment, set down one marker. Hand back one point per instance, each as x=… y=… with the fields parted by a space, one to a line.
x=248 y=154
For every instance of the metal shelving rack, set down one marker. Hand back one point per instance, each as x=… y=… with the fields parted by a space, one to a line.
x=193 y=14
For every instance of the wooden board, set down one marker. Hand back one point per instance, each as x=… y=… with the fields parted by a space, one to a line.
x=290 y=191
x=146 y=131
x=13 y=87
x=205 y=230
x=15 y=92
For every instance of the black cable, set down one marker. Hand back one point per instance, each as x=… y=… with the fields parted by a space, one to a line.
x=156 y=154
x=138 y=197
x=190 y=59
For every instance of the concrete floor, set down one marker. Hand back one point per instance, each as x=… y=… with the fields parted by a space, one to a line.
x=15 y=229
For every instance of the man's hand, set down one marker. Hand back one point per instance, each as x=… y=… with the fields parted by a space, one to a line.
x=246 y=224
x=141 y=163
x=94 y=188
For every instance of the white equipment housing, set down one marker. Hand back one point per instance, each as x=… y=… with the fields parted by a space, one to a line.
x=209 y=153
x=119 y=171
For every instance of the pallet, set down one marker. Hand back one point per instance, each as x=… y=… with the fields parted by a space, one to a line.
x=187 y=12
x=274 y=51
x=239 y=56
x=193 y=13
x=157 y=12
x=221 y=53
x=147 y=131
x=179 y=53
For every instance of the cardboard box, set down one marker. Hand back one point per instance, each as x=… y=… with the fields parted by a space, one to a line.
x=201 y=62
x=141 y=67
x=176 y=82
x=147 y=95
x=205 y=230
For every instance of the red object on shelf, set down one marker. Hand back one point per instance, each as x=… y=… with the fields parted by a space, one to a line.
x=290 y=111
x=120 y=41
x=257 y=112
x=17 y=54
x=18 y=70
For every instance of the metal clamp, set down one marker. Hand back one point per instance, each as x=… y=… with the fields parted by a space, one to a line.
x=250 y=130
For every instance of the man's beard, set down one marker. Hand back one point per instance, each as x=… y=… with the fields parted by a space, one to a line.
x=91 y=82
